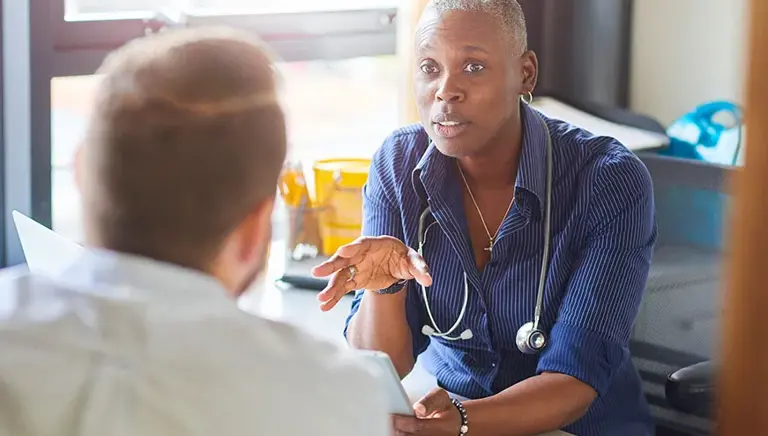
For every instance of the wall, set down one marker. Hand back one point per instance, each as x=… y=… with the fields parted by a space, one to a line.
x=686 y=52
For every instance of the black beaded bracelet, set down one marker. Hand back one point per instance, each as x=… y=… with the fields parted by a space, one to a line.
x=464 y=429
x=394 y=289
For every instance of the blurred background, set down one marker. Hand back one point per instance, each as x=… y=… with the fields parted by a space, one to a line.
x=345 y=85
x=667 y=77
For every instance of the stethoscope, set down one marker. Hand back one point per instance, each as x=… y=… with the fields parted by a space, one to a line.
x=530 y=338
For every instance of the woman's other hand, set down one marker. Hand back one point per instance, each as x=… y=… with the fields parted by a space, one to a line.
x=378 y=263
x=435 y=416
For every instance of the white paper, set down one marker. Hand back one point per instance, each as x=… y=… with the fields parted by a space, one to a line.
x=46 y=252
x=632 y=138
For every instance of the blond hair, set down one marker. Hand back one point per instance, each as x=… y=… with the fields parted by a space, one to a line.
x=187 y=137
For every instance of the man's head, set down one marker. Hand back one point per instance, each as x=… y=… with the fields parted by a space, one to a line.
x=183 y=151
x=473 y=65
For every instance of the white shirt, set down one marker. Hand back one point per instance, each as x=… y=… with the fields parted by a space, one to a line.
x=125 y=346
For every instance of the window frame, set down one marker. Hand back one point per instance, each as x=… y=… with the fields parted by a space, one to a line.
x=81 y=45
x=25 y=85
x=39 y=44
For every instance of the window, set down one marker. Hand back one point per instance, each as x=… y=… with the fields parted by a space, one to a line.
x=340 y=74
x=339 y=51
x=74 y=7
x=340 y=108
x=298 y=30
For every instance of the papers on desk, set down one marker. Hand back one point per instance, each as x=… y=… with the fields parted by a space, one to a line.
x=45 y=251
x=633 y=138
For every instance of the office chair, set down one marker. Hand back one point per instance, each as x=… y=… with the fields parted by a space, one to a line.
x=691 y=389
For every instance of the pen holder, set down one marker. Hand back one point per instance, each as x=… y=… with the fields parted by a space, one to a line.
x=304 y=239
x=339 y=189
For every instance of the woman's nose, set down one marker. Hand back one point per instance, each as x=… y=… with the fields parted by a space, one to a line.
x=449 y=92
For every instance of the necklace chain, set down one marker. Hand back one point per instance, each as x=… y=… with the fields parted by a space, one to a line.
x=492 y=238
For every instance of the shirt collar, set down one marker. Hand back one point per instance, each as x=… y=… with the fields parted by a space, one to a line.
x=99 y=270
x=532 y=170
x=433 y=170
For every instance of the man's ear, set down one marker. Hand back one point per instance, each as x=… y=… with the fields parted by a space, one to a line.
x=257 y=230
x=530 y=65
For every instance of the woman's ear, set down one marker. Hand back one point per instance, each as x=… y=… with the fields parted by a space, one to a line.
x=530 y=65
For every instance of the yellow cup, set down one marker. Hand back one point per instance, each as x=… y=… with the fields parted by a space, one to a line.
x=339 y=196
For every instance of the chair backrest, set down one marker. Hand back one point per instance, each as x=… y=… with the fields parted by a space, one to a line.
x=678 y=323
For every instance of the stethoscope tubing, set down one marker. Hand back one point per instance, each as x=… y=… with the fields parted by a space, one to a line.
x=538 y=309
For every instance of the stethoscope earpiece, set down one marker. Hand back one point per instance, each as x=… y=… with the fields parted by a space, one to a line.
x=529 y=339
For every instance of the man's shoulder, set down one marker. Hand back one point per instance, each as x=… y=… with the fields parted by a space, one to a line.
x=20 y=288
x=13 y=282
x=14 y=276
x=318 y=356
x=323 y=377
x=286 y=344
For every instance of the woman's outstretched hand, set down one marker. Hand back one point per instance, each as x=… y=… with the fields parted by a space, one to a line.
x=371 y=264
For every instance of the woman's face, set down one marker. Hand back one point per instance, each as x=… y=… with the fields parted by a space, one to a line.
x=469 y=79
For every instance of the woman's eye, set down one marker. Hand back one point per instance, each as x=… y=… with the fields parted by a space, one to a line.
x=474 y=68
x=428 y=69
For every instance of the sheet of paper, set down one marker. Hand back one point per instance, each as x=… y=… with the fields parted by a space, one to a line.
x=46 y=252
x=632 y=138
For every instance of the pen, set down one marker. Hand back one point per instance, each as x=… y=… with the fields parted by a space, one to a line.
x=293 y=188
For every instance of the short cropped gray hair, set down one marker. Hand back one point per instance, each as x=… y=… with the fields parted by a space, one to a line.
x=509 y=13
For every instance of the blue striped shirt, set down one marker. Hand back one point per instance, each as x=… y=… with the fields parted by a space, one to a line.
x=603 y=232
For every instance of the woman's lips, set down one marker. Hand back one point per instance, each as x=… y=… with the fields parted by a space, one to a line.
x=450 y=130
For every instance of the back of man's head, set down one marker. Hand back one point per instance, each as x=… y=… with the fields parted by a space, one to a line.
x=186 y=140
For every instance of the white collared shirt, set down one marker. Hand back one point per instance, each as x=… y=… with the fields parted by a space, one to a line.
x=123 y=346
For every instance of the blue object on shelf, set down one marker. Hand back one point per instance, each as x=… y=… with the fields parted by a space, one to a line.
x=699 y=135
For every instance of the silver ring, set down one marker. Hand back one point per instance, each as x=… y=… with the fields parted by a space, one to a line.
x=352 y=272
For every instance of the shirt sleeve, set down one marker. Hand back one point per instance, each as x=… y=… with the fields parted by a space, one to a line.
x=382 y=216
x=590 y=340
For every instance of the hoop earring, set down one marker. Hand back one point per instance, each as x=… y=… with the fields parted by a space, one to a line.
x=529 y=100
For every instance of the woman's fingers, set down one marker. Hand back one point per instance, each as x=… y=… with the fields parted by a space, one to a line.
x=355 y=249
x=330 y=266
x=346 y=255
x=417 y=267
x=340 y=285
x=378 y=262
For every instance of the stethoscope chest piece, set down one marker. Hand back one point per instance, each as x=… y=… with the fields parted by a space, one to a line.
x=530 y=340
